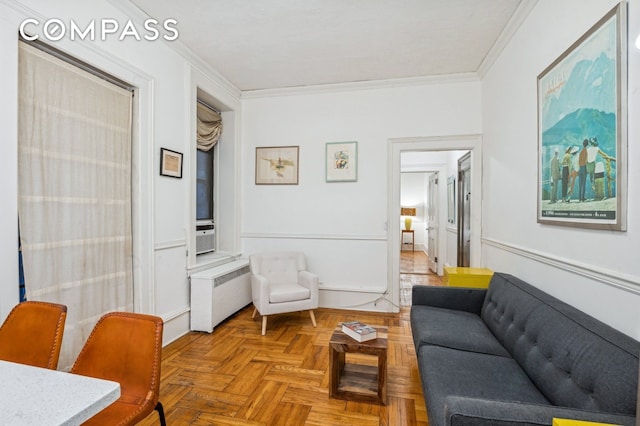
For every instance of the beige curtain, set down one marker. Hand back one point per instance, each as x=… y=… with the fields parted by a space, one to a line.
x=74 y=192
x=209 y=127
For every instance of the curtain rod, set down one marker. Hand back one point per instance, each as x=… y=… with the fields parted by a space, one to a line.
x=200 y=101
x=38 y=44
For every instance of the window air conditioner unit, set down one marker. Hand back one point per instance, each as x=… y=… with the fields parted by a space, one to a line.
x=205 y=238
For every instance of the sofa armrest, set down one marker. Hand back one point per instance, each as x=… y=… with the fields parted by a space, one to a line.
x=461 y=411
x=458 y=298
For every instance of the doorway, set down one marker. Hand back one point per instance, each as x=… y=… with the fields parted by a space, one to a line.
x=396 y=149
x=417 y=245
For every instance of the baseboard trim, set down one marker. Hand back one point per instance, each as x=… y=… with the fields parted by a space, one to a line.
x=625 y=282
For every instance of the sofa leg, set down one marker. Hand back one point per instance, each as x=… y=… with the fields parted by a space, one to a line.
x=264 y=325
x=313 y=317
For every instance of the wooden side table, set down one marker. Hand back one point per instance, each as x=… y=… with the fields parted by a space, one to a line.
x=355 y=382
x=408 y=231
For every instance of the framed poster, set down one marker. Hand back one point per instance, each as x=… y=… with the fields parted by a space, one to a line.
x=277 y=165
x=582 y=130
x=170 y=163
x=341 y=162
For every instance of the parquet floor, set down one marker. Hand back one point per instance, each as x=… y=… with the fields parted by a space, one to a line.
x=236 y=376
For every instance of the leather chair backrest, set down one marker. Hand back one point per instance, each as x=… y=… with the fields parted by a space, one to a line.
x=32 y=334
x=125 y=347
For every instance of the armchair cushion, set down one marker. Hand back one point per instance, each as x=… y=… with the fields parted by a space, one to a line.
x=287 y=292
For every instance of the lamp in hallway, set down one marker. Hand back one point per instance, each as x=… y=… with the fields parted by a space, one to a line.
x=408 y=213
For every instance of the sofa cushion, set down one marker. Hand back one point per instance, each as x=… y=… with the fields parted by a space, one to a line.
x=434 y=326
x=574 y=367
x=450 y=372
x=575 y=360
x=506 y=309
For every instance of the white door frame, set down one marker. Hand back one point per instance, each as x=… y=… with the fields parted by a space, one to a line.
x=395 y=147
x=433 y=225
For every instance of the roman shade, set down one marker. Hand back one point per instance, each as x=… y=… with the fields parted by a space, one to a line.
x=209 y=127
x=74 y=151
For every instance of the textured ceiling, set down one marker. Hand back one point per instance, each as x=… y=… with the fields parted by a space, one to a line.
x=269 y=44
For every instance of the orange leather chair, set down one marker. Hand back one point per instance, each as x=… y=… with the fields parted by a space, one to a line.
x=125 y=347
x=32 y=334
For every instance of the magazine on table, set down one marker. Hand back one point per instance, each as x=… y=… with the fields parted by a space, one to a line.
x=359 y=331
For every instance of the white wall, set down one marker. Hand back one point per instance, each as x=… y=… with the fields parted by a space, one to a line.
x=597 y=271
x=165 y=95
x=342 y=227
x=9 y=174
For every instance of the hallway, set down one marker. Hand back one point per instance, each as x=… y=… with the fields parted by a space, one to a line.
x=414 y=270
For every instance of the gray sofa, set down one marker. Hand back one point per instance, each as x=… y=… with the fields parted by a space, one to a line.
x=514 y=355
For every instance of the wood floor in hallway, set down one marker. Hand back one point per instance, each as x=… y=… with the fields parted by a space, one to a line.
x=236 y=376
x=414 y=270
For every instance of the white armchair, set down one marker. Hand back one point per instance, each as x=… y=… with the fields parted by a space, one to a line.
x=280 y=283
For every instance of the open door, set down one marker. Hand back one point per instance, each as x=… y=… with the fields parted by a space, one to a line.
x=432 y=222
x=464 y=210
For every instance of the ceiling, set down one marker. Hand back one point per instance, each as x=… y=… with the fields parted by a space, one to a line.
x=272 y=44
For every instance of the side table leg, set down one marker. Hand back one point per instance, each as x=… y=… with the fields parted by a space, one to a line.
x=382 y=377
x=336 y=365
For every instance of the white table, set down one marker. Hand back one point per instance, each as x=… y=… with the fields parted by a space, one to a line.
x=37 y=396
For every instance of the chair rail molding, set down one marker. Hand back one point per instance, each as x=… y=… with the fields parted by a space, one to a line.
x=625 y=282
x=347 y=237
x=166 y=245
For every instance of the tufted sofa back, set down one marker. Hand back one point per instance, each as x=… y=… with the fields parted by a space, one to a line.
x=575 y=360
x=278 y=267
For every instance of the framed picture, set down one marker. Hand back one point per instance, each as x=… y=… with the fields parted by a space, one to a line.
x=277 y=165
x=582 y=130
x=341 y=162
x=170 y=163
x=451 y=199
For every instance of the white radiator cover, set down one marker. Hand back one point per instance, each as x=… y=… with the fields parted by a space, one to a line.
x=219 y=292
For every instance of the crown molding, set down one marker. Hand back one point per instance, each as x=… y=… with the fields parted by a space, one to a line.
x=137 y=14
x=361 y=85
x=522 y=11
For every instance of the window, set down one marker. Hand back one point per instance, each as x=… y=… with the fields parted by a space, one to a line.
x=204 y=186
x=208 y=132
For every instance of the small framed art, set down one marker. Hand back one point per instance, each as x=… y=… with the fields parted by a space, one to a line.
x=277 y=165
x=170 y=163
x=341 y=162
